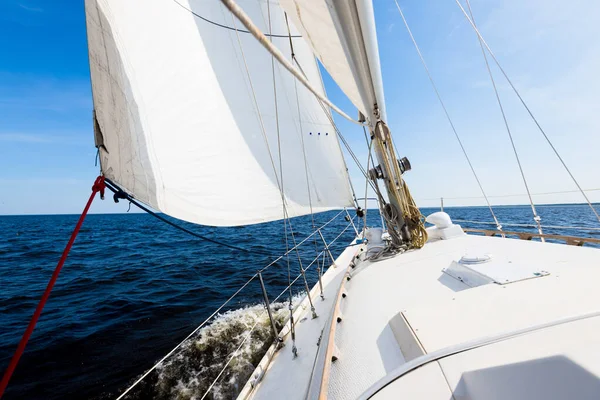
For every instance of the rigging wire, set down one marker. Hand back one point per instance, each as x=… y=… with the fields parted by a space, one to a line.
x=259 y=114
x=536 y=218
x=412 y=212
x=312 y=216
x=291 y=321
x=195 y=14
x=484 y=43
x=116 y=190
x=439 y=97
x=294 y=349
x=282 y=188
x=346 y=145
x=279 y=183
x=141 y=378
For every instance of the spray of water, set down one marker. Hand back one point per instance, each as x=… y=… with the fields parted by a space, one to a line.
x=189 y=372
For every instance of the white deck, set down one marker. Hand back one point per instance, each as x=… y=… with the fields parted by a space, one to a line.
x=441 y=312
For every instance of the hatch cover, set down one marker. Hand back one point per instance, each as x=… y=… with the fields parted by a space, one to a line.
x=481 y=270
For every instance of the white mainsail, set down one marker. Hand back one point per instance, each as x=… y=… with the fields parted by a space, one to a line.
x=181 y=102
x=342 y=35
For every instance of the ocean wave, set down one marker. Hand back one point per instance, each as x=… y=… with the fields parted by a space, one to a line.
x=192 y=369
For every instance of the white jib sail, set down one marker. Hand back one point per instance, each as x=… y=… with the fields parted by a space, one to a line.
x=179 y=104
x=342 y=35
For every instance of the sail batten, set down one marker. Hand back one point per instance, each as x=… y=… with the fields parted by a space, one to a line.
x=180 y=121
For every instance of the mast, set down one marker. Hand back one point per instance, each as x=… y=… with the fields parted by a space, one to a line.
x=399 y=217
x=389 y=164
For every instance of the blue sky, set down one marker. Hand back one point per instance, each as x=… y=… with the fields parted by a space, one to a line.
x=550 y=51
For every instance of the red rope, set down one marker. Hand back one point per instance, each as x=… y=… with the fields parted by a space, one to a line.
x=97 y=187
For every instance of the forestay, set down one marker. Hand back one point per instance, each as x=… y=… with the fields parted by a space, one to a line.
x=342 y=35
x=180 y=104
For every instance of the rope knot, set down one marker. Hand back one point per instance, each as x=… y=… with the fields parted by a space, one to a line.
x=99 y=186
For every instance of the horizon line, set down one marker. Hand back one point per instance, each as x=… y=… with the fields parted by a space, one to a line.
x=370 y=208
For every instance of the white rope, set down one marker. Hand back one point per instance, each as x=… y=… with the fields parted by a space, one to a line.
x=483 y=42
x=247 y=22
x=437 y=93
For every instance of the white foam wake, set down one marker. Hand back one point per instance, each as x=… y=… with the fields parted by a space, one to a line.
x=189 y=372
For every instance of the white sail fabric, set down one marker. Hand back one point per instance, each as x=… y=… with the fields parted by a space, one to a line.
x=177 y=124
x=342 y=35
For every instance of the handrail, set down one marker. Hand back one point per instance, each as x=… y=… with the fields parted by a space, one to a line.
x=570 y=240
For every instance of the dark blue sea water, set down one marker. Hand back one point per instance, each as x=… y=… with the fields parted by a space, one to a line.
x=133 y=287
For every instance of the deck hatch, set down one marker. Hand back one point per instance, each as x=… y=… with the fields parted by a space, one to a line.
x=488 y=270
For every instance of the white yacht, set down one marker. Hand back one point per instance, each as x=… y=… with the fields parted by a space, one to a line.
x=215 y=113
